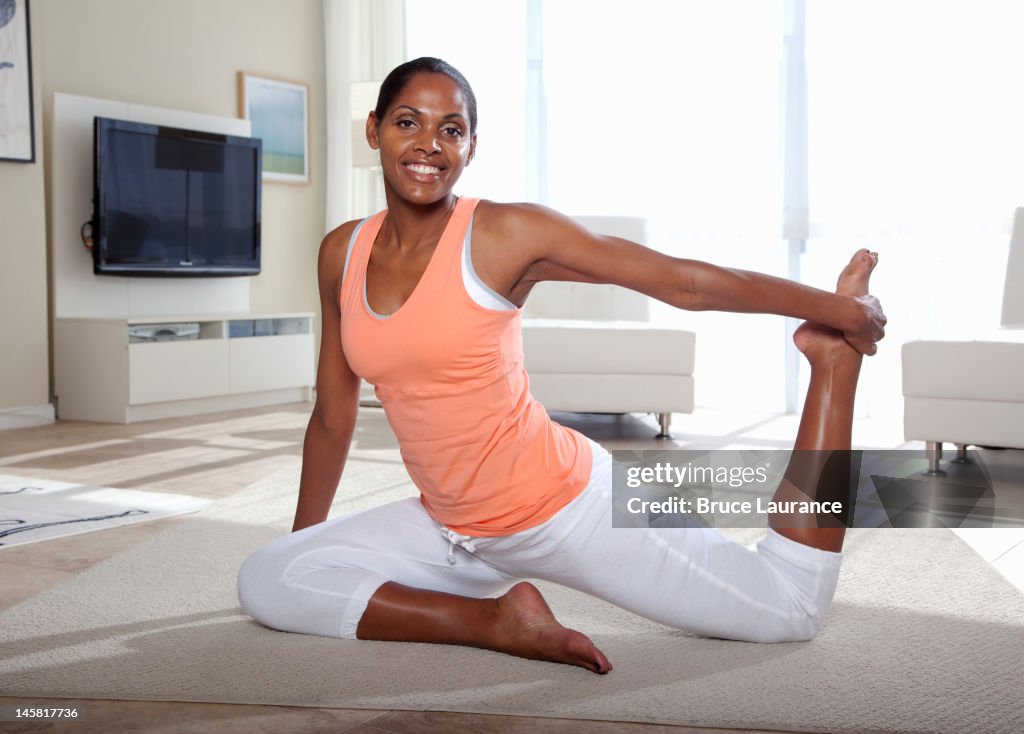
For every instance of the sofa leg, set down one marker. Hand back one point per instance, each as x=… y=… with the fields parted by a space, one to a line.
x=664 y=420
x=934 y=451
x=961 y=454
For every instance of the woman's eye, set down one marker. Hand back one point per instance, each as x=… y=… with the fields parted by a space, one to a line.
x=406 y=124
x=453 y=131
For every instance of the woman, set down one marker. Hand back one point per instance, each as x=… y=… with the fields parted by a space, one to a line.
x=423 y=300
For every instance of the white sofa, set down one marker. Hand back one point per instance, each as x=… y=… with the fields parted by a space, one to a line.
x=971 y=392
x=591 y=349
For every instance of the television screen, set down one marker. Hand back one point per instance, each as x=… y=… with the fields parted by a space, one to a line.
x=175 y=202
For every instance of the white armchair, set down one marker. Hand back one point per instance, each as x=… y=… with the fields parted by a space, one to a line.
x=971 y=392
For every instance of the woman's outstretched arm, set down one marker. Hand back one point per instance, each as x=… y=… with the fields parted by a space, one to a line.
x=330 y=429
x=550 y=246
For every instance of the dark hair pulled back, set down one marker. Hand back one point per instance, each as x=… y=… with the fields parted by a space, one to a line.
x=395 y=82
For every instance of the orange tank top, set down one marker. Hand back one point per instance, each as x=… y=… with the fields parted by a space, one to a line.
x=449 y=373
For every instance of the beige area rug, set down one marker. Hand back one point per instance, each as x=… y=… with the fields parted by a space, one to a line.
x=32 y=510
x=923 y=637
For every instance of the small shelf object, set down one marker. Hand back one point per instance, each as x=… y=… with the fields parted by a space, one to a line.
x=123 y=370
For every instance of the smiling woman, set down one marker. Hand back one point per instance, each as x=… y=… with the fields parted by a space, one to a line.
x=429 y=137
x=523 y=496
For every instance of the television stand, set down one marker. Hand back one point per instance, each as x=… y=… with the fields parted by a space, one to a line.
x=234 y=361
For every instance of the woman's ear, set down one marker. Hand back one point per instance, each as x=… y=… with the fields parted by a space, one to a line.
x=472 y=149
x=373 y=131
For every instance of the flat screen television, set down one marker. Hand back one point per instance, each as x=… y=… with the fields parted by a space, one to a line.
x=173 y=202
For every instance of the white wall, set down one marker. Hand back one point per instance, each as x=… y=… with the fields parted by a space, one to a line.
x=23 y=293
x=182 y=54
x=76 y=291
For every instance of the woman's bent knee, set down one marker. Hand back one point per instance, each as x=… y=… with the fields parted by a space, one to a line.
x=305 y=593
x=256 y=588
x=808 y=577
x=799 y=629
x=801 y=624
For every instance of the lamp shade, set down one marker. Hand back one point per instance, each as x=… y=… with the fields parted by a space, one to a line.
x=363 y=100
x=1013 y=291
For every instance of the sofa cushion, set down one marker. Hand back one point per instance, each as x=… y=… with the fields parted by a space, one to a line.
x=613 y=393
x=966 y=370
x=977 y=422
x=586 y=302
x=606 y=347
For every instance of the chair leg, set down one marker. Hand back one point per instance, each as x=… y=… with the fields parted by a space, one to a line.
x=934 y=451
x=664 y=420
x=961 y=454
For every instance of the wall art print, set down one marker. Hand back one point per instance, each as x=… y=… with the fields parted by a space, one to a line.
x=279 y=112
x=17 y=129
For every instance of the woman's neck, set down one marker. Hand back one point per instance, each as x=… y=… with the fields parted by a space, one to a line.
x=410 y=226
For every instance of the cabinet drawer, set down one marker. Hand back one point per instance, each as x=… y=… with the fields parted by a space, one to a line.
x=271 y=362
x=164 y=371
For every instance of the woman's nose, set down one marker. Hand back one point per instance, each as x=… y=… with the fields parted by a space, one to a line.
x=428 y=143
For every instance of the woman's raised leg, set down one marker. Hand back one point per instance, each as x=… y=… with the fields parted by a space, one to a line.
x=820 y=466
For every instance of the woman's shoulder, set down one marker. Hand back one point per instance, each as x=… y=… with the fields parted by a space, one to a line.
x=531 y=227
x=500 y=210
x=340 y=235
x=507 y=220
x=335 y=244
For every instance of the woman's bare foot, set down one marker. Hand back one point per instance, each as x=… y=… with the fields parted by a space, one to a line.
x=853 y=281
x=516 y=623
x=821 y=344
x=528 y=628
x=864 y=330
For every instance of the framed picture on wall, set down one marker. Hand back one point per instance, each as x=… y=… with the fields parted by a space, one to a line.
x=17 y=129
x=279 y=112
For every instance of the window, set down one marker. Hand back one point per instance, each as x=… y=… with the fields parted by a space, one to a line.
x=672 y=111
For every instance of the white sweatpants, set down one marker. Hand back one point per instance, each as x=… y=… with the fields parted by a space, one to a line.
x=320 y=579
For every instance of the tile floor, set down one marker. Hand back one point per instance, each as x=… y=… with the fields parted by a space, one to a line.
x=217 y=455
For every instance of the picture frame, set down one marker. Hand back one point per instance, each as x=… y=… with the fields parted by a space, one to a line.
x=279 y=112
x=17 y=115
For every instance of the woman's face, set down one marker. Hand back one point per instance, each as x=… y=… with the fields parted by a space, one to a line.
x=424 y=139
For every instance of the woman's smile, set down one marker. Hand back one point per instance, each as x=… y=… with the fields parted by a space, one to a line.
x=420 y=168
x=424 y=172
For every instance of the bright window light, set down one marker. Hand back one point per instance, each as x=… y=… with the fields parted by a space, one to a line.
x=671 y=111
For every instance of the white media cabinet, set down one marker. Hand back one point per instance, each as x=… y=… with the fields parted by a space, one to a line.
x=100 y=376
